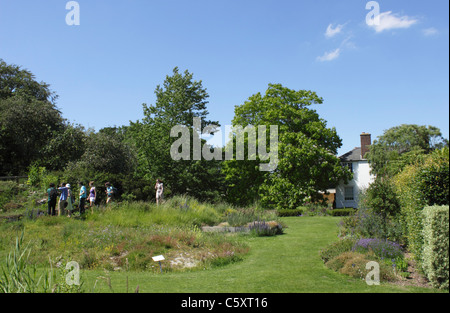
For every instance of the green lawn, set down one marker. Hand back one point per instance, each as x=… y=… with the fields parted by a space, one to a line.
x=287 y=263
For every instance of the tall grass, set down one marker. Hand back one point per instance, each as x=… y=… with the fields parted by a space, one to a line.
x=179 y=210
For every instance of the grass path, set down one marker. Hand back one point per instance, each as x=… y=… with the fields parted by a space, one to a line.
x=288 y=263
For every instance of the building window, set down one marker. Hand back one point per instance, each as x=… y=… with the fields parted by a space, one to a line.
x=350 y=166
x=349 y=193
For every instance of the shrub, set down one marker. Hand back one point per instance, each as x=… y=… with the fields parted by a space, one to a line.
x=354 y=264
x=342 y=212
x=262 y=228
x=433 y=178
x=365 y=223
x=436 y=244
x=289 y=212
x=382 y=198
x=383 y=249
x=336 y=248
x=314 y=209
x=418 y=185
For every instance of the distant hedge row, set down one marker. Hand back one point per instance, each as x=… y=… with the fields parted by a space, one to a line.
x=299 y=212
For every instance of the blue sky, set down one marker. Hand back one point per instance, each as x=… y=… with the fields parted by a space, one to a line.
x=370 y=77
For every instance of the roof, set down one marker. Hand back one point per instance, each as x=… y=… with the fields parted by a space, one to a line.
x=351 y=156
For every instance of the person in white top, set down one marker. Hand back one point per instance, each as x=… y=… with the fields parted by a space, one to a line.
x=159 y=190
x=92 y=196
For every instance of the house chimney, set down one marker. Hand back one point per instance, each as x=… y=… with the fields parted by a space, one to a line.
x=366 y=141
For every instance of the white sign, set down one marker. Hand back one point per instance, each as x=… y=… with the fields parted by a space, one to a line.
x=158 y=258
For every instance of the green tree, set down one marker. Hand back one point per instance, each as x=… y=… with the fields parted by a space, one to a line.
x=402 y=145
x=68 y=144
x=178 y=102
x=306 y=150
x=28 y=119
x=107 y=152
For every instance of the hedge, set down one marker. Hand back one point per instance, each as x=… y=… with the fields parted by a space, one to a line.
x=342 y=212
x=289 y=212
x=435 y=260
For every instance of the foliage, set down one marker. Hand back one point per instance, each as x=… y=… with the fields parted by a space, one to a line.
x=382 y=198
x=349 y=256
x=383 y=249
x=366 y=223
x=341 y=212
x=306 y=151
x=354 y=264
x=35 y=175
x=28 y=118
x=178 y=102
x=65 y=145
x=336 y=248
x=263 y=228
x=403 y=145
x=436 y=245
x=420 y=184
x=106 y=152
x=433 y=178
x=289 y=212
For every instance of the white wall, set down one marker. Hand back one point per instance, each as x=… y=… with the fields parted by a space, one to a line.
x=361 y=180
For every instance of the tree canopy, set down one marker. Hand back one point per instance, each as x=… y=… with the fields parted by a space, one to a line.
x=402 y=145
x=306 y=151
x=178 y=102
x=28 y=119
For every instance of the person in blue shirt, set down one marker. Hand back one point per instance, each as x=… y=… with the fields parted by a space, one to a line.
x=109 y=192
x=62 y=199
x=83 y=196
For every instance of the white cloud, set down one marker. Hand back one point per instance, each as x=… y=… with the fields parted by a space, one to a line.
x=333 y=31
x=388 y=21
x=430 y=31
x=329 y=56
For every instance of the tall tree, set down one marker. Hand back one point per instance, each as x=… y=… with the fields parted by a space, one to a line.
x=28 y=118
x=178 y=102
x=401 y=145
x=306 y=150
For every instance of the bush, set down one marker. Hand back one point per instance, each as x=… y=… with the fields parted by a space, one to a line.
x=383 y=249
x=289 y=212
x=314 y=209
x=418 y=185
x=354 y=264
x=435 y=260
x=433 y=178
x=262 y=228
x=336 y=249
x=342 y=212
x=365 y=223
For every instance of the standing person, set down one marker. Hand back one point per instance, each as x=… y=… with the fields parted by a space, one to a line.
x=109 y=192
x=62 y=199
x=159 y=191
x=83 y=196
x=70 y=200
x=92 y=196
x=52 y=197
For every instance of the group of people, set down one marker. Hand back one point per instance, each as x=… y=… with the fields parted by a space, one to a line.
x=66 y=200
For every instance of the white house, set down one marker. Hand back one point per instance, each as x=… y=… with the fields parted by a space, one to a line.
x=347 y=194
